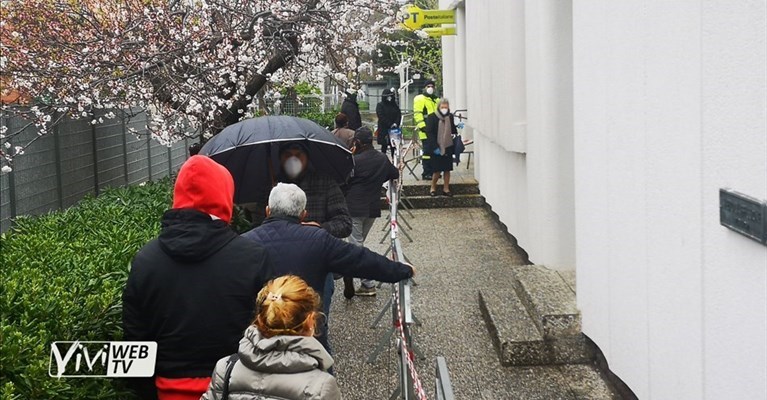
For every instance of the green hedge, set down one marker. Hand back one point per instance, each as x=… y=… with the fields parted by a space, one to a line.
x=325 y=119
x=62 y=278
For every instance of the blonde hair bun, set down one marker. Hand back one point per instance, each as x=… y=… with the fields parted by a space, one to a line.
x=286 y=306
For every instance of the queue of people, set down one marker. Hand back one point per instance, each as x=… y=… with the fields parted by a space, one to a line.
x=193 y=289
x=248 y=314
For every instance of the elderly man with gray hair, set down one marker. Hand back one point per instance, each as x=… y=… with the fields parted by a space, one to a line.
x=311 y=252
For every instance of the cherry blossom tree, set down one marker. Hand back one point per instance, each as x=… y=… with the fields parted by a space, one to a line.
x=195 y=66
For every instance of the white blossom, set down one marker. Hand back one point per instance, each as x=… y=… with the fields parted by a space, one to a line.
x=141 y=55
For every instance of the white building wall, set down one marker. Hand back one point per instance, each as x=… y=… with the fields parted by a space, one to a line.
x=519 y=95
x=655 y=106
x=671 y=105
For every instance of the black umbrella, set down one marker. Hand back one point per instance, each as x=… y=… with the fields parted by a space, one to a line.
x=250 y=151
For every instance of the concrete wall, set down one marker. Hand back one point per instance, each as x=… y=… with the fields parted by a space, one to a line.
x=671 y=105
x=517 y=62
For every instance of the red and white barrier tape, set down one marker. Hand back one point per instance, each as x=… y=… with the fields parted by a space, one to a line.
x=392 y=199
x=417 y=385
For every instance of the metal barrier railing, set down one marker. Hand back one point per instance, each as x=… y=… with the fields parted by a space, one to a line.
x=409 y=384
x=444 y=388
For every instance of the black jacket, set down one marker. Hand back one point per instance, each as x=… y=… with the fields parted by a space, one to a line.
x=325 y=203
x=352 y=111
x=432 y=125
x=363 y=192
x=312 y=253
x=193 y=291
x=388 y=113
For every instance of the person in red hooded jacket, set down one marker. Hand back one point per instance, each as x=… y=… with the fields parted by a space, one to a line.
x=193 y=288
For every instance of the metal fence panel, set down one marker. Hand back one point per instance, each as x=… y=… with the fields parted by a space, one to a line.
x=137 y=148
x=5 y=202
x=110 y=151
x=80 y=159
x=76 y=154
x=159 y=159
x=35 y=172
x=178 y=154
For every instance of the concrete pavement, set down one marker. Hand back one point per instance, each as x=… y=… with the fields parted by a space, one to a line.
x=456 y=252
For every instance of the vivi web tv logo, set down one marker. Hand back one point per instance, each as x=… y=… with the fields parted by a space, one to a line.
x=89 y=359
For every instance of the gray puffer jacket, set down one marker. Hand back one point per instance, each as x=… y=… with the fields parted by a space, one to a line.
x=281 y=367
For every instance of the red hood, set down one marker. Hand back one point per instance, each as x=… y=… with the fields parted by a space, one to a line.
x=205 y=186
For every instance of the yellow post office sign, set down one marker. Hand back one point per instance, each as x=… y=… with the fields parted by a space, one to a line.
x=439 y=32
x=415 y=18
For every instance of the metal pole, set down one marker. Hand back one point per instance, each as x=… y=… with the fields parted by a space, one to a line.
x=125 y=150
x=11 y=183
x=149 y=155
x=170 y=160
x=94 y=148
x=444 y=386
x=57 y=157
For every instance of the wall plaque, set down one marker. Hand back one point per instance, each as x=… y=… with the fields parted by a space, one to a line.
x=743 y=214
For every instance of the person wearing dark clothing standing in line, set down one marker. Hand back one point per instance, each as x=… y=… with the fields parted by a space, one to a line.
x=312 y=253
x=440 y=131
x=352 y=110
x=196 y=276
x=342 y=131
x=389 y=116
x=363 y=195
x=325 y=203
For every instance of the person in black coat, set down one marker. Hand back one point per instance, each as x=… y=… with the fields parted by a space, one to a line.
x=352 y=110
x=311 y=253
x=192 y=289
x=363 y=194
x=440 y=131
x=389 y=116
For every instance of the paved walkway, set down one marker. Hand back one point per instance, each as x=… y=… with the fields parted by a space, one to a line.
x=457 y=252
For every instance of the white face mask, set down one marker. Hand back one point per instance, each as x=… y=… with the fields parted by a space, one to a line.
x=429 y=90
x=388 y=98
x=293 y=167
x=444 y=111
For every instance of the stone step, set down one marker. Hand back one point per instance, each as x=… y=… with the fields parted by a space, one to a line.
x=550 y=301
x=457 y=201
x=517 y=338
x=455 y=188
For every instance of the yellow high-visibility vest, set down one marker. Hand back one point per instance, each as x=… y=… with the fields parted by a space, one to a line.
x=423 y=105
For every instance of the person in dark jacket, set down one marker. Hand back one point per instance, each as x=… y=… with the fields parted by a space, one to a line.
x=440 y=131
x=342 y=131
x=352 y=110
x=326 y=205
x=191 y=289
x=363 y=195
x=389 y=116
x=313 y=253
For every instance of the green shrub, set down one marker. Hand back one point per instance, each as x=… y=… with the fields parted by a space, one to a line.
x=62 y=278
x=325 y=119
